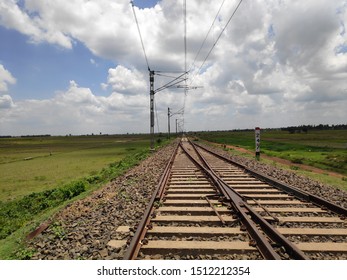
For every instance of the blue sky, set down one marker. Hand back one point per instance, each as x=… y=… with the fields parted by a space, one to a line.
x=77 y=66
x=41 y=69
x=145 y=3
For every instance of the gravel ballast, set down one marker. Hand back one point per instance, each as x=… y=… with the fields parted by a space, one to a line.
x=329 y=193
x=83 y=229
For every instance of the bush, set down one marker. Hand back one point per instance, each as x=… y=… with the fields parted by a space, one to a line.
x=74 y=189
x=94 y=179
x=297 y=160
x=16 y=213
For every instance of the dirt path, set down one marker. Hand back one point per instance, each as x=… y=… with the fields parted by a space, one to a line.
x=287 y=162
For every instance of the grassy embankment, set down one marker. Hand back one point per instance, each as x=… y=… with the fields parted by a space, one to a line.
x=38 y=176
x=325 y=149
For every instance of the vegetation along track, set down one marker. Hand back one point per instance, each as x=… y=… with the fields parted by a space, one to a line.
x=205 y=205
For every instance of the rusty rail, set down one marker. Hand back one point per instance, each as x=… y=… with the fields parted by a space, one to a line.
x=240 y=205
x=135 y=244
x=260 y=231
x=284 y=187
x=236 y=200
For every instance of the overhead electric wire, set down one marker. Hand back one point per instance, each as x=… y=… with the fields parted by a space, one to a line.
x=169 y=86
x=220 y=35
x=167 y=76
x=185 y=57
x=179 y=112
x=138 y=29
x=169 y=83
x=208 y=33
x=185 y=35
x=173 y=72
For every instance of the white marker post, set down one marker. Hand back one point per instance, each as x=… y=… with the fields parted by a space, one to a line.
x=257 y=143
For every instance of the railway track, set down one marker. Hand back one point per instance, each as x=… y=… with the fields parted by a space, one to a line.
x=207 y=207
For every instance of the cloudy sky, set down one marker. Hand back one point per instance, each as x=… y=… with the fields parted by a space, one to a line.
x=77 y=66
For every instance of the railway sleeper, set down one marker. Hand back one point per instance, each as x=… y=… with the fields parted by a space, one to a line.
x=192 y=210
x=189 y=231
x=196 y=247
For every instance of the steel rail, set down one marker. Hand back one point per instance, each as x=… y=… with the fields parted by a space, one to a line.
x=136 y=242
x=243 y=208
x=321 y=202
x=262 y=243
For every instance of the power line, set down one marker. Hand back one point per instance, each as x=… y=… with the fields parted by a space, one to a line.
x=185 y=35
x=138 y=29
x=208 y=33
x=185 y=56
x=171 y=83
x=220 y=35
x=167 y=76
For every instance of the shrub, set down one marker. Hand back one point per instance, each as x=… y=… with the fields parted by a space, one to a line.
x=16 y=213
x=94 y=179
x=297 y=160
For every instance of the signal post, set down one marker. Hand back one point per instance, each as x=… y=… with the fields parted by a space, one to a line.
x=257 y=143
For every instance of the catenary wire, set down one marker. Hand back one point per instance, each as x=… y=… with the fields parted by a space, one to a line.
x=138 y=29
x=169 y=84
x=220 y=35
x=208 y=33
x=185 y=55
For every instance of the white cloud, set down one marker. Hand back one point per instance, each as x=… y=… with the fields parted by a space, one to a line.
x=39 y=30
x=77 y=110
x=104 y=86
x=123 y=79
x=278 y=63
x=5 y=102
x=103 y=26
x=5 y=79
x=77 y=95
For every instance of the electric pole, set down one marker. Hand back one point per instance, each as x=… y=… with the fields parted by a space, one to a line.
x=171 y=114
x=168 y=122
x=151 y=93
x=176 y=127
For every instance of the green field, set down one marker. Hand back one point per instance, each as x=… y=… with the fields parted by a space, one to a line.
x=40 y=175
x=35 y=164
x=325 y=149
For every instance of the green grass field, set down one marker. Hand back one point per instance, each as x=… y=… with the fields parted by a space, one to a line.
x=39 y=176
x=325 y=149
x=35 y=164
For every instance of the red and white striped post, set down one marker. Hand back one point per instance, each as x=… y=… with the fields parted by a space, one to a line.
x=257 y=143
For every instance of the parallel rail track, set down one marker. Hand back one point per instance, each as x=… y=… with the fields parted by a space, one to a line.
x=206 y=206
